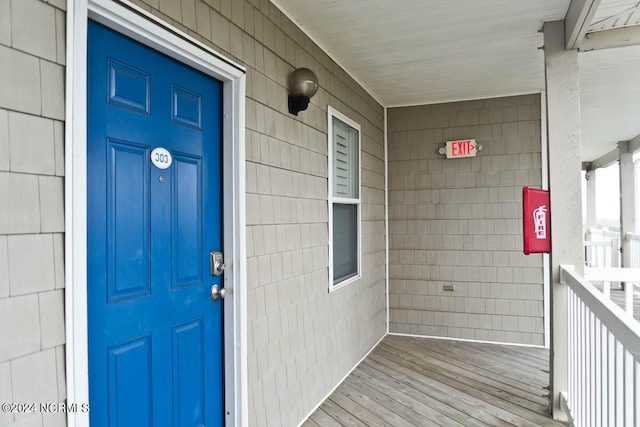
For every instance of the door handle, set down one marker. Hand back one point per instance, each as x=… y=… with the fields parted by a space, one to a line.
x=217 y=292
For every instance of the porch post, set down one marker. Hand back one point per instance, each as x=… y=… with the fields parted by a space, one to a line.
x=563 y=128
x=591 y=198
x=627 y=200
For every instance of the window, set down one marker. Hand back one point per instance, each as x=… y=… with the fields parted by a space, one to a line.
x=344 y=200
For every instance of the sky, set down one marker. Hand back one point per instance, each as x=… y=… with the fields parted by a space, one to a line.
x=608 y=193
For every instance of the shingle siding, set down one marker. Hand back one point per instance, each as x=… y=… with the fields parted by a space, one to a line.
x=458 y=221
x=302 y=340
x=32 y=213
x=452 y=221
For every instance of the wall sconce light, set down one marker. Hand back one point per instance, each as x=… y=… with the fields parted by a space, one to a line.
x=303 y=84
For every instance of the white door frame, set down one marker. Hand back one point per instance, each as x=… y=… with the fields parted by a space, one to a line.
x=139 y=25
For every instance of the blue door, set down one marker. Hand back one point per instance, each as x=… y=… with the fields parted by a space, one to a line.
x=154 y=190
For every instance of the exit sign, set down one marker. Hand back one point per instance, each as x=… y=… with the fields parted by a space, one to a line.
x=461 y=148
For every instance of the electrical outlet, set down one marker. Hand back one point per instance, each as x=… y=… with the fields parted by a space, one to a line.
x=449 y=287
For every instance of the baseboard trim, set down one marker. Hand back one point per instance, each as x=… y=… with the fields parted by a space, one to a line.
x=466 y=340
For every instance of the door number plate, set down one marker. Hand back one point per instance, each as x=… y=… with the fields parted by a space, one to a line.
x=161 y=158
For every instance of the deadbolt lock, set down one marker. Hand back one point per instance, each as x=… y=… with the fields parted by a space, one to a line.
x=216 y=263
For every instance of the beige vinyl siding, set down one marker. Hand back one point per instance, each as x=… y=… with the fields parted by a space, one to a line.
x=302 y=340
x=32 y=337
x=459 y=221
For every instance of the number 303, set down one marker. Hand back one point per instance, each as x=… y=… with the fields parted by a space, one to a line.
x=162 y=158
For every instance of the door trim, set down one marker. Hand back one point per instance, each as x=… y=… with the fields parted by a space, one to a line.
x=141 y=26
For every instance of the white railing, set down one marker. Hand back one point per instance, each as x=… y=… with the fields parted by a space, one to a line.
x=630 y=276
x=602 y=253
x=601 y=233
x=634 y=249
x=601 y=247
x=603 y=350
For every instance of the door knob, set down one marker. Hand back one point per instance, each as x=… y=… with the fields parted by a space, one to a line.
x=217 y=292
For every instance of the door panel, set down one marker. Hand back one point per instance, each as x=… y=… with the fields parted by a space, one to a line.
x=127 y=221
x=155 y=335
x=187 y=205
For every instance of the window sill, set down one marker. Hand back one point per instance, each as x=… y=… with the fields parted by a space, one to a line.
x=344 y=283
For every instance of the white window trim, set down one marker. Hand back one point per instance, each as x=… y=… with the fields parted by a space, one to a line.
x=331 y=113
x=138 y=24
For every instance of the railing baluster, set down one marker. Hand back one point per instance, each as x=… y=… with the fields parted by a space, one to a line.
x=580 y=412
x=585 y=364
x=612 y=379
x=628 y=298
x=628 y=388
x=619 y=384
x=597 y=410
x=636 y=393
x=571 y=348
x=604 y=358
x=593 y=363
x=601 y=403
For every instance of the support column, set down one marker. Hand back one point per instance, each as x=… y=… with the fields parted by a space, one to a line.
x=563 y=127
x=627 y=200
x=591 y=198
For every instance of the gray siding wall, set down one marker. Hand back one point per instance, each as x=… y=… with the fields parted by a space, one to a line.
x=459 y=221
x=302 y=340
x=32 y=58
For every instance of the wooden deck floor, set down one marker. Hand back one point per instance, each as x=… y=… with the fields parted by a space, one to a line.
x=618 y=296
x=409 y=381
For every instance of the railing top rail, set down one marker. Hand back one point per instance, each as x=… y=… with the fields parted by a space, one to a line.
x=612 y=274
x=631 y=236
x=620 y=324
x=606 y=243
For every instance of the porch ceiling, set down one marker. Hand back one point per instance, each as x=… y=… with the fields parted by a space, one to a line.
x=421 y=52
x=416 y=51
x=615 y=14
x=610 y=98
x=609 y=81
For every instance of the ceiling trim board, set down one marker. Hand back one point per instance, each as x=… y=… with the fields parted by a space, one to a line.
x=606 y=160
x=608 y=39
x=372 y=93
x=577 y=21
x=634 y=144
x=477 y=98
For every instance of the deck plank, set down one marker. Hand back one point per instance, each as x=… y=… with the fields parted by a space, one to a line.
x=418 y=381
x=323 y=419
x=498 y=361
x=463 y=361
x=415 y=397
x=506 y=413
x=398 y=413
x=527 y=395
x=618 y=296
x=359 y=406
x=341 y=415
x=387 y=410
x=310 y=423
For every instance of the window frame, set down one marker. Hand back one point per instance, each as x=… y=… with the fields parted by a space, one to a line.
x=331 y=114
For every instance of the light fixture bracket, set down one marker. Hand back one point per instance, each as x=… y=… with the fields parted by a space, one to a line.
x=298 y=103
